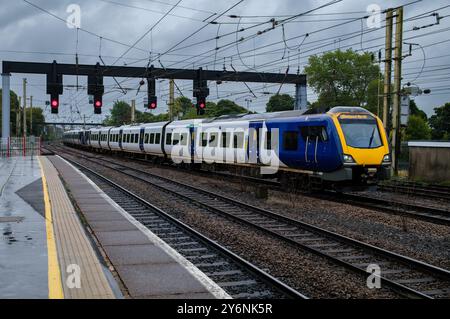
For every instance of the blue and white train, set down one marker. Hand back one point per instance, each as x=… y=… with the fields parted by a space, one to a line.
x=346 y=145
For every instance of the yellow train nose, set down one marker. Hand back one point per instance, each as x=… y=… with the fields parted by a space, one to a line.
x=367 y=157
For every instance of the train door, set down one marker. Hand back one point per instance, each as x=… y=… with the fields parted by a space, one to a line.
x=192 y=143
x=141 y=139
x=109 y=138
x=253 y=148
x=315 y=138
x=120 y=138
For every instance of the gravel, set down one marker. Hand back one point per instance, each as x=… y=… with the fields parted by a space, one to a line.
x=414 y=238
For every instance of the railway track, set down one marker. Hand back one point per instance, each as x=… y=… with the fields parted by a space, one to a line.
x=410 y=277
x=429 y=214
x=417 y=189
x=238 y=277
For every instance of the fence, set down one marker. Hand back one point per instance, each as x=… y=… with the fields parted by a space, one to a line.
x=20 y=146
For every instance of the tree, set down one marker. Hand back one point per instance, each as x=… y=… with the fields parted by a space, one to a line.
x=182 y=105
x=417 y=129
x=227 y=107
x=342 y=77
x=223 y=107
x=280 y=102
x=38 y=117
x=120 y=114
x=440 y=122
x=414 y=110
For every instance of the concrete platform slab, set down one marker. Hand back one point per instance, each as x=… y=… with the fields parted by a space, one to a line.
x=140 y=254
x=129 y=237
x=112 y=225
x=159 y=279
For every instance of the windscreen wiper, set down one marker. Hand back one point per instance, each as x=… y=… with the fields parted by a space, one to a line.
x=371 y=137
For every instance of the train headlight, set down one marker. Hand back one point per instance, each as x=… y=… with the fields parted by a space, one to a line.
x=348 y=159
x=387 y=158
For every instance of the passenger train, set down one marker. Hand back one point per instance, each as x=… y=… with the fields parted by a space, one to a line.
x=345 y=146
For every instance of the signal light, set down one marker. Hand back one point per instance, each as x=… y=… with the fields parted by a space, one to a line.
x=152 y=102
x=201 y=105
x=98 y=104
x=54 y=103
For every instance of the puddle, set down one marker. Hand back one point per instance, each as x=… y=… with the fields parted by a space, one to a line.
x=11 y=219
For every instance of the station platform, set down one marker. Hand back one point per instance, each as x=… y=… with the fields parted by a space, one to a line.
x=62 y=237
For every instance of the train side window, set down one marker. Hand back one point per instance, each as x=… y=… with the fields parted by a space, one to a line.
x=128 y=138
x=238 y=140
x=225 y=139
x=204 y=139
x=176 y=139
x=136 y=138
x=157 y=138
x=268 y=145
x=313 y=132
x=290 y=140
x=146 y=138
x=152 y=138
x=213 y=137
x=183 y=139
x=169 y=139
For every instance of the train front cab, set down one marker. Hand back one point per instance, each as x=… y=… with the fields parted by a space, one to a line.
x=365 y=149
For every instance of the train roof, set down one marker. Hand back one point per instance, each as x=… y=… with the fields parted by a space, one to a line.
x=255 y=117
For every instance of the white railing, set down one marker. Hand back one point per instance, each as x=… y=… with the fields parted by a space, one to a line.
x=20 y=146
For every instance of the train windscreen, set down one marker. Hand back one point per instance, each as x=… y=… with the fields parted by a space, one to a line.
x=360 y=131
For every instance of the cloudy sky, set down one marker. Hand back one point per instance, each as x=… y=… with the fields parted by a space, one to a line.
x=37 y=30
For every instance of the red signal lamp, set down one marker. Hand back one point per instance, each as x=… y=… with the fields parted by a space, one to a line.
x=98 y=103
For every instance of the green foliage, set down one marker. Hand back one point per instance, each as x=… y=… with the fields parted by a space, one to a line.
x=417 y=129
x=121 y=114
x=226 y=107
x=223 y=107
x=182 y=105
x=280 y=102
x=440 y=122
x=342 y=78
x=414 y=110
x=38 y=117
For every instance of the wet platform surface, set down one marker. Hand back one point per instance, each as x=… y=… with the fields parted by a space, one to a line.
x=52 y=218
x=23 y=242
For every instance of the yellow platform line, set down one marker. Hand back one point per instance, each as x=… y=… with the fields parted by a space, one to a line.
x=55 y=290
